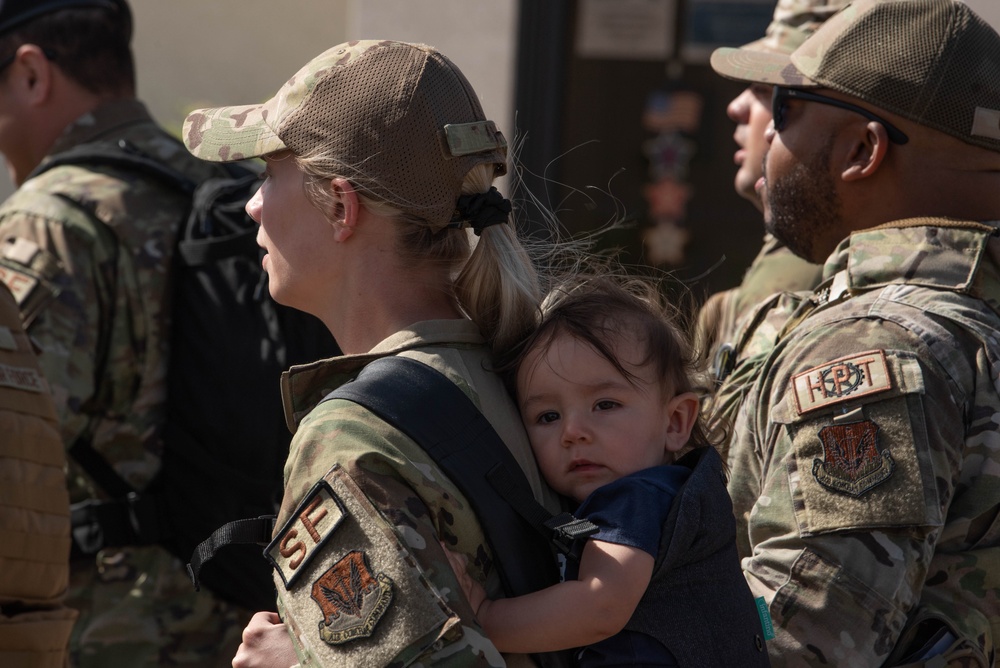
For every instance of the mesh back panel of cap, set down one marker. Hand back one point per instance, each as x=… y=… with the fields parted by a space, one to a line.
x=383 y=114
x=934 y=64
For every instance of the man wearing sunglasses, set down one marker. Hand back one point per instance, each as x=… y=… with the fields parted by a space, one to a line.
x=866 y=475
x=775 y=269
x=736 y=327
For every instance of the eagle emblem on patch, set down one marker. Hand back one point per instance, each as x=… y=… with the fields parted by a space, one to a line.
x=353 y=599
x=852 y=463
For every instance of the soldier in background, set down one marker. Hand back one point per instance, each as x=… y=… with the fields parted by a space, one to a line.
x=34 y=508
x=94 y=301
x=775 y=269
x=866 y=482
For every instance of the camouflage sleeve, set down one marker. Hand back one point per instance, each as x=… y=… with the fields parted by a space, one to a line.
x=60 y=277
x=360 y=573
x=859 y=432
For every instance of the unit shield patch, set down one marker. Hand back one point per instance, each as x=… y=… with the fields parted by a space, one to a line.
x=841 y=380
x=352 y=598
x=852 y=463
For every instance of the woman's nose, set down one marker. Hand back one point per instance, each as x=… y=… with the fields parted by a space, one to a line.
x=254 y=205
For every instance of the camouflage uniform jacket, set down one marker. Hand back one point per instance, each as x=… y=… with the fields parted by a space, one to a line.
x=378 y=515
x=867 y=483
x=34 y=508
x=94 y=298
x=725 y=314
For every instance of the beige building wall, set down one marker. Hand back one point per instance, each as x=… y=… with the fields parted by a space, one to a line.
x=195 y=53
x=191 y=53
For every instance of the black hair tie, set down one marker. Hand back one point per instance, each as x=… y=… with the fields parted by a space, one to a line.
x=481 y=210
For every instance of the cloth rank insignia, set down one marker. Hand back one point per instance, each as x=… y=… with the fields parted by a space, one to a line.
x=20 y=283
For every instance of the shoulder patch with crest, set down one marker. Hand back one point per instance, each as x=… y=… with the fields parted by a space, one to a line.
x=852 y=463
x=312 y=523
x=352 y=598
x=841 y=380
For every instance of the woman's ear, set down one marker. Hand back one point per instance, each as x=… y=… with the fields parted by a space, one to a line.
x=345 y=208
x=681 y=416
x=866 y=152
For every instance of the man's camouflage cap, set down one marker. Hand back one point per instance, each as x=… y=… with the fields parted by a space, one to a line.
x=934 y=62
x=793 y=22
x=14 y=13
x=400 y=121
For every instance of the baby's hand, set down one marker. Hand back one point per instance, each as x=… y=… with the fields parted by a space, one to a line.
x=472 y=589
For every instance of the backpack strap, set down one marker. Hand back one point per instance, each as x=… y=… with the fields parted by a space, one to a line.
x=459 y=438
x=128 y=518
x=127 y=156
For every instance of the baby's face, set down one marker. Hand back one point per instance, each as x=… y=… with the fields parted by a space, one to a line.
x=588 y=424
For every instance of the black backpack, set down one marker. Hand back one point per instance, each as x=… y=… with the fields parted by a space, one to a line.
x=225 y=439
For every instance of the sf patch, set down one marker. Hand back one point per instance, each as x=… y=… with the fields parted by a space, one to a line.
x=352 y=598
x=852 y=463
x=841 y=380
x=312 y=523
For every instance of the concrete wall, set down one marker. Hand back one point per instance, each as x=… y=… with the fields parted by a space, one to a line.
x=192 y=53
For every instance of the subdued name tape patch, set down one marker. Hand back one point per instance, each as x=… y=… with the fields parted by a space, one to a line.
x=21 y=378
x=312 y=523
x=20 y=283
x=841 y=380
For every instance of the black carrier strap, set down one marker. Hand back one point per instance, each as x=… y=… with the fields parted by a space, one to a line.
x=436 y=414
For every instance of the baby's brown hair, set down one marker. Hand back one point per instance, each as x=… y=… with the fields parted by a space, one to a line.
x=597 y=311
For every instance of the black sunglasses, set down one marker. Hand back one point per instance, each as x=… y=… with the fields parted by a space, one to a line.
x=6 y=62
x=779 y=103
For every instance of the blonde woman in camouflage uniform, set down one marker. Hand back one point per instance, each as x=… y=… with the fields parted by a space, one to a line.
x=377 y=216
x=867 y=470
x=84 y=287
x=34 y=508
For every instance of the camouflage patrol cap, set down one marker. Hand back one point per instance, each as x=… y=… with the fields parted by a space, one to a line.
x=793 y=22
x=14 y=13
x=399 y=120
x=934 y=62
